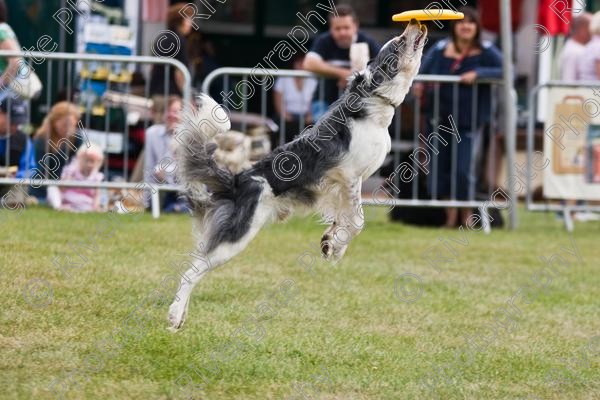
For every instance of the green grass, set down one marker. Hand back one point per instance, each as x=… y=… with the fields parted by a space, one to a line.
x=344 y=321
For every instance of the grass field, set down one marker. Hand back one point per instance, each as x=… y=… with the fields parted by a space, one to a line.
x=343 y=334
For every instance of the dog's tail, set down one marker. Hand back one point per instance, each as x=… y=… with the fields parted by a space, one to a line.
x=197 y=168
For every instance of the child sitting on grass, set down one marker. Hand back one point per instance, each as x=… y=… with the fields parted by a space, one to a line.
x=84 y=168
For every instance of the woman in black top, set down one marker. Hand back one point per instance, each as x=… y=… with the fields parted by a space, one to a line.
x=464 y=54
x=171 y=44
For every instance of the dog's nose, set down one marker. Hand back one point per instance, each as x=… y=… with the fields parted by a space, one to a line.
x=414 y=21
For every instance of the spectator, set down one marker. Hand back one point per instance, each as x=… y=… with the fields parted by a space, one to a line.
x=159 y=160
x=465 y=55
x=17 y=157
x=577 y=64
x=574 y=48
x=84 y=168
x=56 y=136
x=202 y=59
x=293 y=98
x=9 y=67
x=330 y=52
x=589 y=65
x=172 y=45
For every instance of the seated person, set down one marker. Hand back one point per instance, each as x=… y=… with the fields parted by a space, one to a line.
x=20 y=150
x=84 y=168
x=330 y=52
x=293 y=98
x=159 y=161
x=17 y=158
x=57 y=137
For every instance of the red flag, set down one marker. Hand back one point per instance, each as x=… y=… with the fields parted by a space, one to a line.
x=490 y=14
x=556 y=15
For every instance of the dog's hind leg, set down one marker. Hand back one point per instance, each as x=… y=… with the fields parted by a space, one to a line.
x=222 y=254
x=349 y=222
x=216 y=257
x=179 y=307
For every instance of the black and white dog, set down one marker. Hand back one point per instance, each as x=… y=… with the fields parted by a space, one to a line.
x=321 y=170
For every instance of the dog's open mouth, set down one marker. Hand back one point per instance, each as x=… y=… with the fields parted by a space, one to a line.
x=420 y=38
x=417 y=43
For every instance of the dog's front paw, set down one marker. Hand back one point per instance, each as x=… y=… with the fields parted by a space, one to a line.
x=176 y=316
x=327 y=246
x=331 y=250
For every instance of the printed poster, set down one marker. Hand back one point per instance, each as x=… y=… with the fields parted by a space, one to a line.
x=572 y=144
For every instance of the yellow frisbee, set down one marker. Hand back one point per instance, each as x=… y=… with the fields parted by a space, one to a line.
x=428 y=15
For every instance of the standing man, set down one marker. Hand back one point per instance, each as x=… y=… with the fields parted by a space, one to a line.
x=330 y=52
x=574 y=47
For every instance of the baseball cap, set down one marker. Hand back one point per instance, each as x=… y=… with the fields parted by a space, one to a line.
x=18 y=111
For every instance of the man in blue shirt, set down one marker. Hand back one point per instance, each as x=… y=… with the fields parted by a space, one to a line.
x=330 y=52
x=16 y=150
x=15 y=146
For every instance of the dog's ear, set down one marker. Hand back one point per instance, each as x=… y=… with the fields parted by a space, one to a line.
x=355 y=75
x=391 y=65
x=385 y=67
x=358 y=82
x=388 y=56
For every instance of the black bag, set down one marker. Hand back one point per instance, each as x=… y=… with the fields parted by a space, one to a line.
x=419 y=216
x=430 y=216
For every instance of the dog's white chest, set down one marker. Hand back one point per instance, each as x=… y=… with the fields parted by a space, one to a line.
x=369 y=145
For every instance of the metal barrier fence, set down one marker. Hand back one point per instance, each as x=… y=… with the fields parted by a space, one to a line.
x=406 y=131
x=547 y=205
x=93 y=75
x=407 y=128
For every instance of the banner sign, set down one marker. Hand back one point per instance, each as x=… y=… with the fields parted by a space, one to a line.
x=572 y=143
